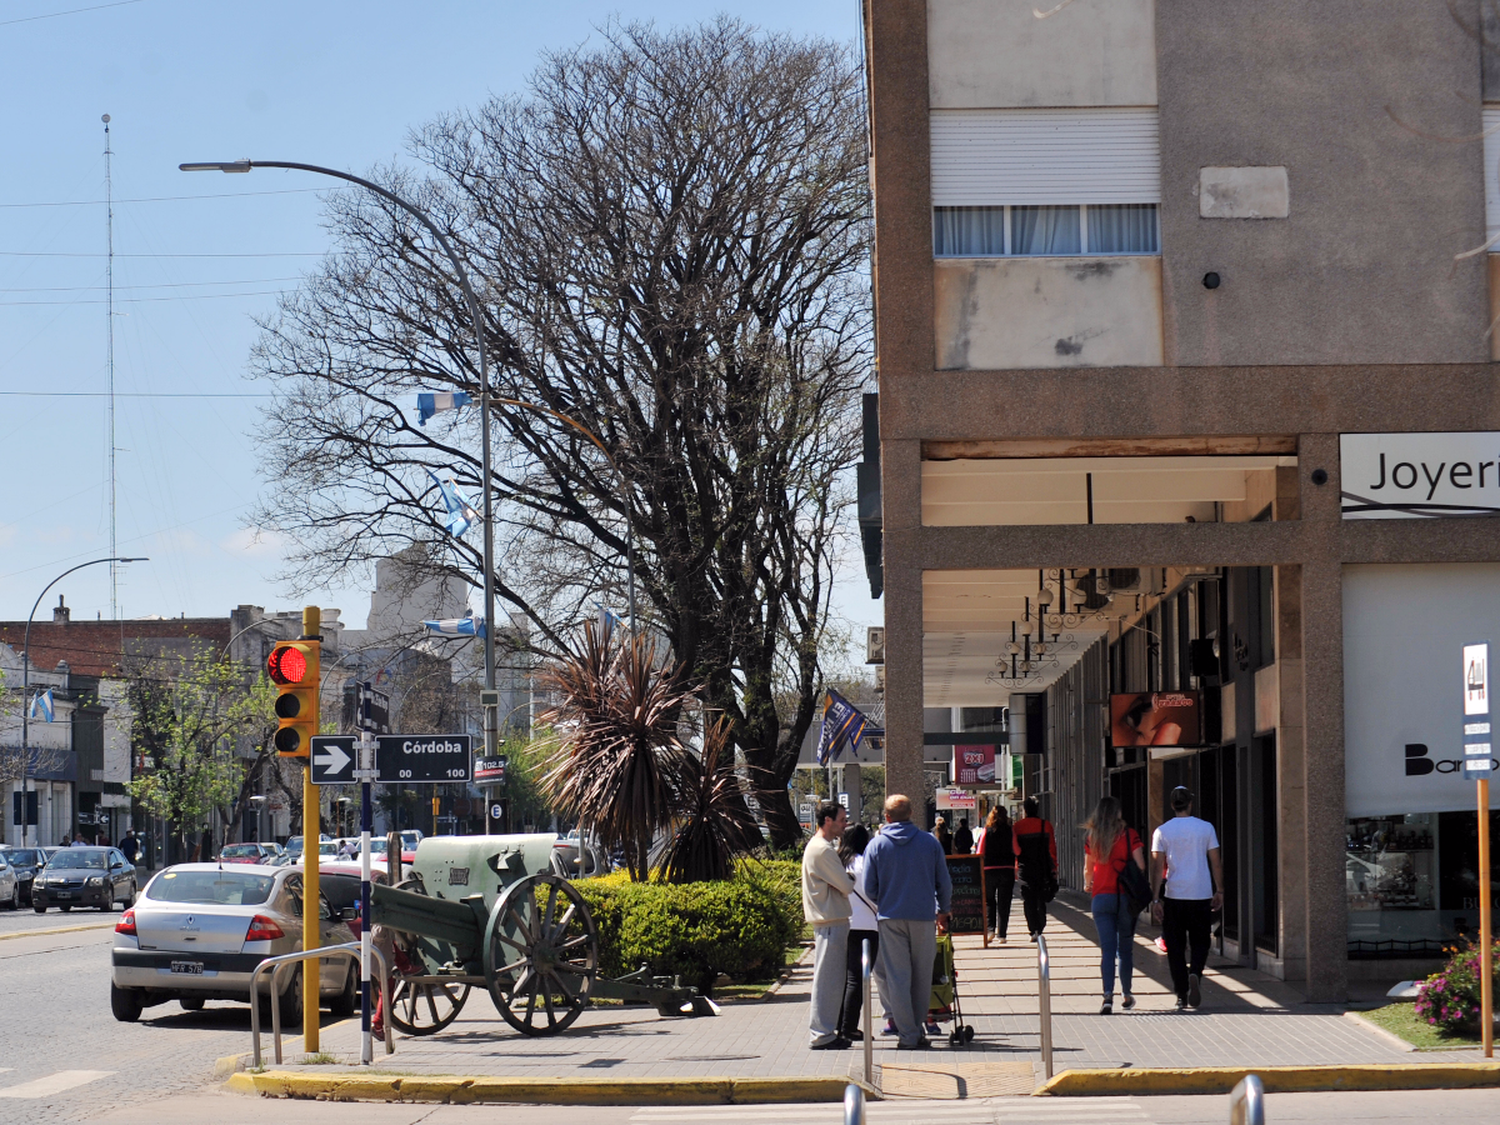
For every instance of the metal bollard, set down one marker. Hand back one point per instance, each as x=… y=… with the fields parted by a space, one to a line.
x=854 y=1104
x=866 y=968
x=1247 y=1102
x=1044 y=1001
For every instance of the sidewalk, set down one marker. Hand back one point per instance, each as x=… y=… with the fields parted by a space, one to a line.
x=1247 y=1019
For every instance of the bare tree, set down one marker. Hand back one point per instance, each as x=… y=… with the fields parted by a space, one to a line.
x=670 y=238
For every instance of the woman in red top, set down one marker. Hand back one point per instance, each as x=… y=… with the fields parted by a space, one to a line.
x=1109 y=847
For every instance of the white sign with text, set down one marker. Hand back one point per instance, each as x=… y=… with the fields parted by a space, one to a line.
x=1419 y=476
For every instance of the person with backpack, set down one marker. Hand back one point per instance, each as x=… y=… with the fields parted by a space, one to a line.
x=1036 y=845
x=1118 y=895
x=997 y=846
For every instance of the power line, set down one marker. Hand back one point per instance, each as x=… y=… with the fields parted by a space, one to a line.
x=69 y=12
x=152 y=285
x=142 y=300
x=96 y=254
x=163 y=198
x=133 y=394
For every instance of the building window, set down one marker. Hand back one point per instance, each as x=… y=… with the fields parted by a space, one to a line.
x=1033 y=230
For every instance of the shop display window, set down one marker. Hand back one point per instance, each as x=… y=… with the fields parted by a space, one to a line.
x=1391 y=878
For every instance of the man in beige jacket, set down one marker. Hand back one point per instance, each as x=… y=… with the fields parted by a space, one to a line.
x=826 y=887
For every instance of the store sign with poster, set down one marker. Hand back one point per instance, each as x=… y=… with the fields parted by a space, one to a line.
x=1155 y=718
x=974 y=765
x=948 y=799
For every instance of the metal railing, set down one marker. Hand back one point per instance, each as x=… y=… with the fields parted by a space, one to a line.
x=276 y=964
x=1044 y=1001
x=1247 y=1102
x=854 y=1104
x=866 y=969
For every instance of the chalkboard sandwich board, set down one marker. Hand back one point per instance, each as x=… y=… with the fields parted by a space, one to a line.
x=966 y=915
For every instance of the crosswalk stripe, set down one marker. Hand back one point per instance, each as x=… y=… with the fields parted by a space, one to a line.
x=54 y=1083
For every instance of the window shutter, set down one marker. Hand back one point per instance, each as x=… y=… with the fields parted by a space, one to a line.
x=1490 y=116
x=990 y=157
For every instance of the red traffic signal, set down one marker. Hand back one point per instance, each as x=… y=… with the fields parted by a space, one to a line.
x=293 y=666
x=287 y=664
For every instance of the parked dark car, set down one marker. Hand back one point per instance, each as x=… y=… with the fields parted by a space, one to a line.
x=98 y=877
x=27 y=862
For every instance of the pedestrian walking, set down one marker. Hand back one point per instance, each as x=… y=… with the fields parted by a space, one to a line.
x=130 y=847
x=944 y=837
x=906 y=873
x=997 y=846
x=1111 y=844
x=1036 y=848
x=963 y=839
x=863 y=929
x=826 y=887
x=1187 y=879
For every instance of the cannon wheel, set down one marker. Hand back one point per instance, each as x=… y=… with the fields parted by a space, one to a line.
x=541 y=954
x=421 y=1009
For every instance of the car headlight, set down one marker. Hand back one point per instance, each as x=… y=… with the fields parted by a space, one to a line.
x=96 y=880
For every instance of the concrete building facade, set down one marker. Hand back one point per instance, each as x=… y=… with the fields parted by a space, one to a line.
x=1166 y=293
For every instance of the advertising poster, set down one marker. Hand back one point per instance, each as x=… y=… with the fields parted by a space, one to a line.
x=1155 y=718
x=973 y=765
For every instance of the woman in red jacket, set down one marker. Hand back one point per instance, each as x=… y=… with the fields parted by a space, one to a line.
x=998 y=847
x=1109 y=847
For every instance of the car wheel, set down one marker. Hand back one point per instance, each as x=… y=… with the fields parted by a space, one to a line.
x=291 y=999
x=65 y=908
x=191 y=1003
x=125 y=1003
x=40 y=909
x=346 y=1002
x=15 y=896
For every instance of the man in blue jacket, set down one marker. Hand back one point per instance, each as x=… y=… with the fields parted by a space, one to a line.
x=906 y=874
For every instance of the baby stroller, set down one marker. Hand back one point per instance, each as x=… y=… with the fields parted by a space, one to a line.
x=944 y=1003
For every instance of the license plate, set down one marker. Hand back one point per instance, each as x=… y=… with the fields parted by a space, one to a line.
x=62 y=894
x=188 y=968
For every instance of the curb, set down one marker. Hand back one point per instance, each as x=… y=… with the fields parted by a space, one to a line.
x=459 y=1090
x=1389 y=1036
x=61 y=930
x=1276 y=1079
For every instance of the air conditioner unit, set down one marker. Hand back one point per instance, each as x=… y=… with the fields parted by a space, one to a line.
x=875 y=645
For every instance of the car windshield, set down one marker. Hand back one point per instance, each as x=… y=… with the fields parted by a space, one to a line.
x=77 y=857
x=222 y=888
x=22 y=857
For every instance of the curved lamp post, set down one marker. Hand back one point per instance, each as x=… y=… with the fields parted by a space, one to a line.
x=26 y=689
x=475 y=314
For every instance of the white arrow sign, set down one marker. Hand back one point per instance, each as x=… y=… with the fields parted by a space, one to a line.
x=331 y=759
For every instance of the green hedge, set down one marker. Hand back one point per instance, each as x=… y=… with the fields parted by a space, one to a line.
x=740 y=927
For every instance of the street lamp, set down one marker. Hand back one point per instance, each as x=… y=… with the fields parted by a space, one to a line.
x=260 y=813
x=26 y=688
x=491 y=731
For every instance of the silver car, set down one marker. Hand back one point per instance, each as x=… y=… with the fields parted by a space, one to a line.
x=10 y=884
x=199 y=930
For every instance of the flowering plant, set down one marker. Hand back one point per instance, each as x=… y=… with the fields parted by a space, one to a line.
x=1450 y=999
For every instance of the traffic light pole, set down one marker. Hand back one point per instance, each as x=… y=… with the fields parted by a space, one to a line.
x=366 y=769
x=312 y=627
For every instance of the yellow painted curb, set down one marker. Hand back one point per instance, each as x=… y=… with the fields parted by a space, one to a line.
x=461 y=1090
x=1275 y=1079
x=62 y=930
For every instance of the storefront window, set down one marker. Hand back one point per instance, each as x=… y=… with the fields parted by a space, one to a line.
x=1390 y=877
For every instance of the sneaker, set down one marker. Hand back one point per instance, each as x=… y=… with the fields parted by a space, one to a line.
x=855 y=1036
x=1128 y=1002
x=919 y=1045
x=1161 y=945
x=890 y=1028
x=1195 y=994
x=1108 y=1007
x=838 y=1044
x=1182 y=1003
x=932 y=1028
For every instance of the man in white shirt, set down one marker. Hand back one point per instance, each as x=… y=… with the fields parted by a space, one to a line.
x=1185 y=856
x=825 y=903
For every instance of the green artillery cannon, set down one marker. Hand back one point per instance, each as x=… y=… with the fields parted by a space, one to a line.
x=489 y=911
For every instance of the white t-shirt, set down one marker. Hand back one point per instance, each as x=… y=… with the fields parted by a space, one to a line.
x=861 y=917
x=1186 y=841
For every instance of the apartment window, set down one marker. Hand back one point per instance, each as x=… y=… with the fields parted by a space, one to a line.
x=1033 y=230
x=1034 y=182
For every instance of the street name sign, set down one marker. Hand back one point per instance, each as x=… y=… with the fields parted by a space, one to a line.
x=408 y=759
x=1477 y=742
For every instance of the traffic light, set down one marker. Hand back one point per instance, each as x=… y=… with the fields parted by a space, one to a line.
x=293 y=667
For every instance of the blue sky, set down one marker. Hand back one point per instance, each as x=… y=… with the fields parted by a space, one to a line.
x=197 y=256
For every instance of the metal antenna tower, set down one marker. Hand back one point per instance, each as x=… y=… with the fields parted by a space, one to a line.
x=109 y=314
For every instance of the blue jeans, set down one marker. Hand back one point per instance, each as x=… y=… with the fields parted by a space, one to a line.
x=1116 y=938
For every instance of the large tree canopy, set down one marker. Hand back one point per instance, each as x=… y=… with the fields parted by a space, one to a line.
x=669 y=235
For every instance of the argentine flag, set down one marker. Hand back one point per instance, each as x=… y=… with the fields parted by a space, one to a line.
x=42 y=703
x=461 y=513
x=457 y=627
x=431 y=402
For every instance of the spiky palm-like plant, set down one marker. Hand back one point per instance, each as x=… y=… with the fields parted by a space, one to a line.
x=619 y=763
x=715 y=825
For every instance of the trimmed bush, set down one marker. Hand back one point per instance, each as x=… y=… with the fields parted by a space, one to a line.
x=1450 y=999
x=740 y=927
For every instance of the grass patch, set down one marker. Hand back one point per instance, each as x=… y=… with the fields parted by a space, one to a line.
x=322 y=1058
x=1401 y=1020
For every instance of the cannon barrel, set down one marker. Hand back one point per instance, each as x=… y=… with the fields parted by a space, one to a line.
x=458 y=924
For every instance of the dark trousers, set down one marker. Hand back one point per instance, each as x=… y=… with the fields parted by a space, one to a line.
x=1034 y=903
x=1185 y=924
x=1000 y=885
x=854 y=986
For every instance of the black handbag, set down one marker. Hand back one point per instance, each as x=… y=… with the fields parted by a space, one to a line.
x=1135 y=887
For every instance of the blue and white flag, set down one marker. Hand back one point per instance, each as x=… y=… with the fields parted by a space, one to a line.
x=42 y=703
x=461 y=513
x=431 y=402
x=843 y=726
x=457 y=626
